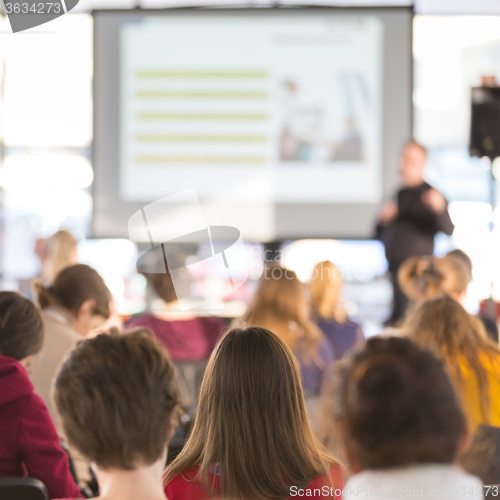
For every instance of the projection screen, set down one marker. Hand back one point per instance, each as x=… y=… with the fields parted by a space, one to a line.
x=287 y=122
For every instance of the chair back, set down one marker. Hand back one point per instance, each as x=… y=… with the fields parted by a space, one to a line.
x=189 y=377
x=22 y=488
x=483 y=457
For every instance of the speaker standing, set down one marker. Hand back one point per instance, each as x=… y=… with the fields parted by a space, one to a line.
x=407 y=226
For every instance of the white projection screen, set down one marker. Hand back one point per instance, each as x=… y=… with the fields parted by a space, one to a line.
x=287 y=122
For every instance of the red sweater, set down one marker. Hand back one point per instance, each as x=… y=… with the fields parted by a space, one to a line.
x=29 y=444
x=184 y=487
x=186 y=340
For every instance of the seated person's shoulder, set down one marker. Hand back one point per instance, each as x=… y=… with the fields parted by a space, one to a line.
x=184 y=485
x=335 y=479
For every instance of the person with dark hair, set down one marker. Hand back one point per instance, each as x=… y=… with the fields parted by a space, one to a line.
x=407 y=227
x=29 y=444
x=251 y=437
x=401 y=424
x=76 y=303
x=117 y=398
x=187 y=337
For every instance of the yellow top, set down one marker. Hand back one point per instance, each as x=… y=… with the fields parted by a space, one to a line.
x=469 y=392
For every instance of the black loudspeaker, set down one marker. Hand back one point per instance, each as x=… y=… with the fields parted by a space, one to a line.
x=485 y=122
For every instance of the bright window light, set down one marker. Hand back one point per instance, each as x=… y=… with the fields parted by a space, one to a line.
x=470 y=213
x=48 y=100
x=46 y=172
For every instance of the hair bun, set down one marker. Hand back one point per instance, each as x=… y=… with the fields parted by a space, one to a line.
x=43 y=295
x=383 y=392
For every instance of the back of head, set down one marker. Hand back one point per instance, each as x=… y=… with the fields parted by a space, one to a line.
x=422 y=278
x=280 y=293
x=395 y=406
x=116 y=395
x=279 y=304
x=72 y=287
x=252 y=420
x=324 y=287
x=162 y=282
x=21 y=327
x=462 y=257
x=61 y=252
x=443 y=326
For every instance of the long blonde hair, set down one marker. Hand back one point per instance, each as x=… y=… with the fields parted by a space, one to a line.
x=61 y=253
x=422 y=278
x=280 y=306
x=443 y=326
x=252 y=422
x=325 y=287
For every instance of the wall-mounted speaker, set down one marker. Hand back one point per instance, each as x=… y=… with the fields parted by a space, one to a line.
x=485 y=122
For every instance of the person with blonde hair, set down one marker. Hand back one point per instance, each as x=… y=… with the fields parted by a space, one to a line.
x=328 y=310
x=251 y=437
x=54 y=253
x=443 y=326
x=279 y=304
x=422 y=278
x=61 y=252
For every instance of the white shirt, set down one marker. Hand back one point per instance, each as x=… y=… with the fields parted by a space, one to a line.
x=429 y=481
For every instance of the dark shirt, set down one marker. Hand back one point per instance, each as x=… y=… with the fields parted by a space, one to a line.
x=490 y=327
x=412 y=231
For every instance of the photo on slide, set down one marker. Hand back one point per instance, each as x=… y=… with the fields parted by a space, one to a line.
x=319 y=130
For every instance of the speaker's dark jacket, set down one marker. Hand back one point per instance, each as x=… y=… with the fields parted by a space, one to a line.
x=413 y=230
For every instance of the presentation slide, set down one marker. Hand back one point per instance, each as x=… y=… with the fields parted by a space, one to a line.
x=252 y=109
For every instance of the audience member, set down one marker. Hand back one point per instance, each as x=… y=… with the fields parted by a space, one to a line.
x=329 y=312
x=61 y=253
x=401 y=424
x=425 y=277
x=443 y=326
x=187 y=337
x=117 y=398
x=251 y=437
x=29 y=444
x=279 y=305
x=76 y=303
x=489 y=324
x=55 y=253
